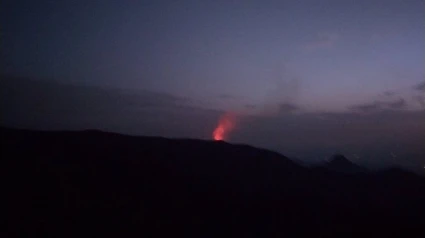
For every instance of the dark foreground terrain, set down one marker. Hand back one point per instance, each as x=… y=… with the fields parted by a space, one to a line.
x=95 y=184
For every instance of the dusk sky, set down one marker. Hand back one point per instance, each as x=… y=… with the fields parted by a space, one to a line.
x=293 y=72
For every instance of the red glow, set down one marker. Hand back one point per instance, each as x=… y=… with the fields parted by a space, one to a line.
x=225 y=125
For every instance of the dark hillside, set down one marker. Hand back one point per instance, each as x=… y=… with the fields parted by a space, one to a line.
x=92 y=183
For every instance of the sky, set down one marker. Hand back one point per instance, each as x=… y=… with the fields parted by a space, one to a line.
x=291 y=71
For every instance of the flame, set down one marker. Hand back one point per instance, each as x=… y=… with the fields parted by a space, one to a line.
x=225 y=125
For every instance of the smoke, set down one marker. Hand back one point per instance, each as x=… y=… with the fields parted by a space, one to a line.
x=281 y=98
x=225 y=125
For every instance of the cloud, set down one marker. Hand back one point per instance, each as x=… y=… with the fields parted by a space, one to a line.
x=420 y=86
x=48 y=95
x=52 y=105
x=323 y=40
x=250 y=106
x=398 y=104
x=225 y=96
x=420 y=100
x=389 y=93
x=288 y=108
x=285 y=90
x=379 y=105
x=367 y=107
x=148 y=99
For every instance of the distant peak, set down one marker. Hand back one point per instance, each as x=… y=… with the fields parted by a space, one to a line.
x=339 y=159
x=340 y=163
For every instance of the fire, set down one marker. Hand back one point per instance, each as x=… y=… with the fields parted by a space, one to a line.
x=225 y=125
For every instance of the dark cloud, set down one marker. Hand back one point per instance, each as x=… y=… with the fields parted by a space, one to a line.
x=288 y=107
x=250 y=106
x=43 y=95
x=225 y=96
x=420 y=100
x=399 y=104
x=420 y=86
x=379 y=105
x=144 y=99
x=286 y=85
x=51 y=105
x=368 y=107
x=389 y=93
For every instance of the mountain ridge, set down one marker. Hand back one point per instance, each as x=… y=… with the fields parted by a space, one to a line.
x=111 y=184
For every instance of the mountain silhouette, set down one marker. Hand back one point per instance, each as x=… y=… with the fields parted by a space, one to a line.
x=340 y=163
x=65 y=184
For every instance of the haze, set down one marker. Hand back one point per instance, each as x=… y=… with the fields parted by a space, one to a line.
x=305 y=78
